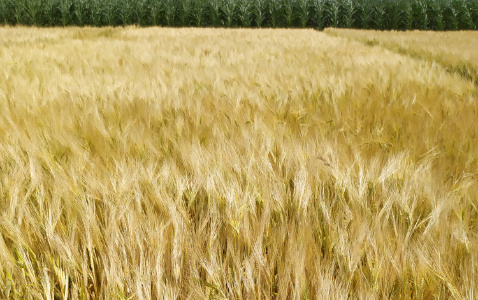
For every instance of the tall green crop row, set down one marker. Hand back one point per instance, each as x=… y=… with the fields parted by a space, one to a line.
x=372 y=14
x=260 y=11
x=474 y=12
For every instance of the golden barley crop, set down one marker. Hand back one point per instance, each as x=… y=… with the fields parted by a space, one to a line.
x=455 y=51
x=233 y=164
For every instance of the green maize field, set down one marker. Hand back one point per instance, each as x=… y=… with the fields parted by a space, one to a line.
x=360 y=14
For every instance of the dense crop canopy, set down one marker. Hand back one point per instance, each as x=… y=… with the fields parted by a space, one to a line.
x=166 y=163
x=376 y=14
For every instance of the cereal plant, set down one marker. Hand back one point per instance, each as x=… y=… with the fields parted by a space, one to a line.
x=259 y=8
x=373 y=14
x=185 y=163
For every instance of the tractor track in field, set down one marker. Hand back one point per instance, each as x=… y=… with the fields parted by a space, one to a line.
x=464 y=69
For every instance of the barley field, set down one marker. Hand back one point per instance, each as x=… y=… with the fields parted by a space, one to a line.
x=455 y=51
x=165 y=163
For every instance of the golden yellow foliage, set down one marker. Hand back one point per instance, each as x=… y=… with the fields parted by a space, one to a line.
x=212 y=163
x=456 y=51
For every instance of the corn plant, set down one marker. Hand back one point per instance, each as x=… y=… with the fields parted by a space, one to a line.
x=8 y=12
x=451 y=16
x=49 y=14
x=229 y=10
x=142 y=12
x=473 y=8
x=244 y=9
x=155 y=11
x=421 y=14
x=169 y=9
x=81 y=11
x=334 y=13
x=364 y=14
x=436 y=15
x=11 y=13
x=378 y=14
x=108 y=12
x=125 y=10
x=407 y=10
x=287 y=12
x=464 y=15
x=18 y=11
x=14 y=11
x=474 y=12
x=93 y=13
x=394 y=14
x=215 y=12
x=259 y=8
x=198 y=12
x=184 y=11
x=302 y=12
x=274 y=12
x=65 y=12
x=348 y=11
x=318 y=8
x=34 y=11
x=3 y=12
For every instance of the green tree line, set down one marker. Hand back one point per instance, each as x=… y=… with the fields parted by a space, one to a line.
x=364 y=14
